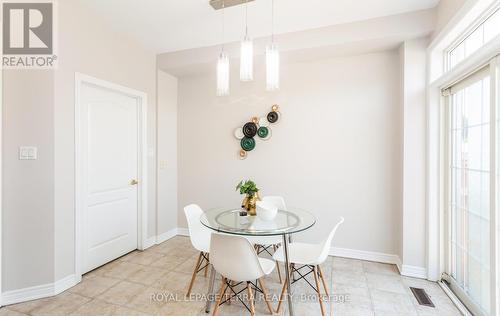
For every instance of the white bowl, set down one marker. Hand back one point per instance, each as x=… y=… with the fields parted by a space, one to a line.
x=266 y=211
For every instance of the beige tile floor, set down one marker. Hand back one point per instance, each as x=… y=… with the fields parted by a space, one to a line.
x=126 y=287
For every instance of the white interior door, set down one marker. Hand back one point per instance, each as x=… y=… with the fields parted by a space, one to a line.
x=109 y=125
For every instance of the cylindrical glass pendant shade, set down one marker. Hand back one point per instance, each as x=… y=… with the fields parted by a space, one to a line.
x=272 y=67
x=246 y=59
x=222 y=75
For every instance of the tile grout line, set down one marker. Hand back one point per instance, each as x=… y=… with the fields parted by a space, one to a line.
x=368 y=287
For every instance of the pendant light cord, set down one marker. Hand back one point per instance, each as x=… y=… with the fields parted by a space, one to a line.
x=223 y=24
x=272 y=21
x=246 y=19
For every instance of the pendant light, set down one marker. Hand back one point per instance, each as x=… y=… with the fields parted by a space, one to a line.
x=246 y=53
x=223 y=66
x=272 y=59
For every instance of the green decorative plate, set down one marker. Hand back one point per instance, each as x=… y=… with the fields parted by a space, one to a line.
x=263 y=132
x=247 y=143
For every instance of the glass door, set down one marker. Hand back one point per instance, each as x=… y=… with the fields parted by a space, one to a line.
x=469 y=189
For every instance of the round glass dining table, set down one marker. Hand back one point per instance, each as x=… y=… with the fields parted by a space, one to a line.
x=285 y=223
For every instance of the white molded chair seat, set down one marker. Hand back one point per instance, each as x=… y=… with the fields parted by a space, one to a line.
x=203 y=245
x=306 y=253
x=200 y=239
x=300 y=253
x=234 y=257
x=312 y=256
x=199 y=234
x=267 y=265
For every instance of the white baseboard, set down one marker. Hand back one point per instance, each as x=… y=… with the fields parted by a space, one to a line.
x=364 y=255
x=166 y=235
x=151 y=241
x=413 y=271
x=39 y=291
x=155 y=240
x=65 y=283
x=182 y=231
x=406 y=270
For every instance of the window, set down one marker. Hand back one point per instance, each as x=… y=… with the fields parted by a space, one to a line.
x=469 y=203
x=472 y=189
x=482 y=34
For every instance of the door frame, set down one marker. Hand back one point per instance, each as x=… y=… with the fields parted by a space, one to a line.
x=80 y=176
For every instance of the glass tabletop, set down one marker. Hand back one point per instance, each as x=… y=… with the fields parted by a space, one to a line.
x=229 y=220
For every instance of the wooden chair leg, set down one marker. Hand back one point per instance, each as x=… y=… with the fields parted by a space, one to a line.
x=278 y=266
x=231 y=283
x=250 y=299
x=283 y=289
x=323 y=281
x=266 y=295
x=208 y=263
x=218 y=299
x=315 y=272
x=196 y=267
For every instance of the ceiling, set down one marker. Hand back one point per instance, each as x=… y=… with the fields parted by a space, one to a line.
x=173 y=25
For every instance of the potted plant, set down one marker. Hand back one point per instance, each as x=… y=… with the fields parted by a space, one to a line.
x=249 y=188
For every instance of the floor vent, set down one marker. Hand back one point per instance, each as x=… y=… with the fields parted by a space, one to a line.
x=422 y=297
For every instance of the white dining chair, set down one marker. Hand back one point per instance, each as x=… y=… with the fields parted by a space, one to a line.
x=200 y=239
x=265 y=243
x=278 y=201
x=234 y=257
x=309 y=256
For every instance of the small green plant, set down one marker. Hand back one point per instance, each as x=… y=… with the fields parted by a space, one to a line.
x=247 y=187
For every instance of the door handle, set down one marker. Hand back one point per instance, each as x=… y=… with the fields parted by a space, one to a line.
x=134 y=182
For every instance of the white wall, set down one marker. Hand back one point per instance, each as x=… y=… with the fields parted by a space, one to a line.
x=445 y=10
x=93 y=49
x=167 y=152
x=337 y=150
x=39 y=197
x=28 y=185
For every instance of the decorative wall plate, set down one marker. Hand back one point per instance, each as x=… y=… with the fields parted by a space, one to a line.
x=269 y=134
x=263 y=122
x=250 y=129
x=257 y=126
x=273 y=117
x=263 y=132
x=247 y=143
x=238 y=133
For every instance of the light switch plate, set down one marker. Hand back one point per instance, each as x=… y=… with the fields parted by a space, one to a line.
x=163 y=164
x=28 y=153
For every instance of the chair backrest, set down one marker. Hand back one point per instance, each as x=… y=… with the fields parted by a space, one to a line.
x=235 y=258
x=325 y=245
x=278 y=201
x=199 y=234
